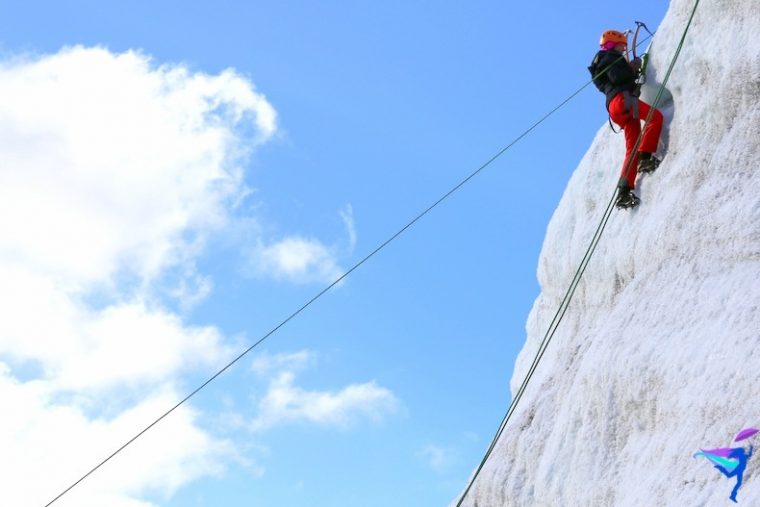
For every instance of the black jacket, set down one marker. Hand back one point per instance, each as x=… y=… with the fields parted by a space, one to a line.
x=615 y=75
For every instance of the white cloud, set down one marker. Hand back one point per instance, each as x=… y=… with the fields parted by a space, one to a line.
x=113 y=172
x=438 y=458
x=298 y=260
x=47 y=445
x=284 y=402
x=109 y=163
x=302 y=260
x=347 y=214
x=79 y=348
x=264 y=364
x=191 y=289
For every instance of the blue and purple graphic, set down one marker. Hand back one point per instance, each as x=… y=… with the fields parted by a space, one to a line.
x=731 y=461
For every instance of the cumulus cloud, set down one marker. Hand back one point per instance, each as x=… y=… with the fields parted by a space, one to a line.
x=297 y=259
x=113 y=172
x=302 y=260
x=46 y=443
x=111 y=163
x=285 y=402
x=79 y=348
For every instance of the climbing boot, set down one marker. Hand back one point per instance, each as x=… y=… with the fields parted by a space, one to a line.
x=647 y=163
x=626 y=198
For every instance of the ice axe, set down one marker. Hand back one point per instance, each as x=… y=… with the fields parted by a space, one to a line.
x=642 y=77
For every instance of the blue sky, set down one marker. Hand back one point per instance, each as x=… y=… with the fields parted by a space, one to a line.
x=381 y=108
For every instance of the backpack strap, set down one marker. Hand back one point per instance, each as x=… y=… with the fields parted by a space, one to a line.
x=599 y=78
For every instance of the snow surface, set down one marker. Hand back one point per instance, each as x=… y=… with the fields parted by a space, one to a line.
x=659 y=353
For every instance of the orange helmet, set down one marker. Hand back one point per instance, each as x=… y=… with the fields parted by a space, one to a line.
x=613 y=36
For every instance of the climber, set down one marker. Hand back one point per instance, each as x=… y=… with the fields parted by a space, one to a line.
x=742 y=457
x=616 y=77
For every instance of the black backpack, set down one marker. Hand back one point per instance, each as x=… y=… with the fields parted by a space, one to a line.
x=599 y=74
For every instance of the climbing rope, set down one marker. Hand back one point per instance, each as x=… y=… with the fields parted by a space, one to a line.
x=558 y=316
x=329 y=287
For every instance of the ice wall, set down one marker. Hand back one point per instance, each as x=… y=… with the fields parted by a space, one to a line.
x=659 y=354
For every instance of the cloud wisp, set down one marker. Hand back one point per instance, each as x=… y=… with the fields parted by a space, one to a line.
x=436 y=457
x=347 y=214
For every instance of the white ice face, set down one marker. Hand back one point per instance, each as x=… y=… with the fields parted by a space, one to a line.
x=655 y=357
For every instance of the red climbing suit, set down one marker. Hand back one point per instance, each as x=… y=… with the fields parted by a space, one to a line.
x=632 y=128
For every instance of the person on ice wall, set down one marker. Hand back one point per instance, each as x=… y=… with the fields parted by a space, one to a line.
x=616 y=77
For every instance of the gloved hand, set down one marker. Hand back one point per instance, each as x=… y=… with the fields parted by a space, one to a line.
x=636 y=65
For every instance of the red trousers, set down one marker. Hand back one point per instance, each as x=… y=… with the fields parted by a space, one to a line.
x=631 y=126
